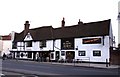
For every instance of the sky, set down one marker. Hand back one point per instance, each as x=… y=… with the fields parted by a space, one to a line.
x=14 y=13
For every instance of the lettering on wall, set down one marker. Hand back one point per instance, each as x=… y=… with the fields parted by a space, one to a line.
x=92 y=41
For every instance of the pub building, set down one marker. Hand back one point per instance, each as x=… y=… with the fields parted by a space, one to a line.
x=90 y=42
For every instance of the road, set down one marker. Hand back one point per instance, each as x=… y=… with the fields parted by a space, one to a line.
x=37 y=68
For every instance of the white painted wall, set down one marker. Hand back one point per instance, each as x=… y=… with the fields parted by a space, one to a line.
x=12 y=36
x=20 y=46
x=35 y=46
x=7 y=45
x=1 y=47
x=90 y=47
x=118 y=24
x=49 y=45
x=78 y=43
x=57 y=44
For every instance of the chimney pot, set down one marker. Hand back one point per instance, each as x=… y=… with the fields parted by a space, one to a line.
x=26 y=29
x=80 y=22
x=63 y=22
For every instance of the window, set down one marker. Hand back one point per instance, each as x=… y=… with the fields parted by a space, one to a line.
x=29 y=55
x=18 y=54
x=22 y=54
x=81 y=53
x=52 y=55
x=42 y=44
x=29 y=44
x=28 y=36
x=96 y=53
x=14 y=45
x=62 y=53
x=67 y=43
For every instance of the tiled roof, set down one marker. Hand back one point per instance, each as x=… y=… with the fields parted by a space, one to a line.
x=42 y=33
x=6 y=37
x=100 y=28
x=19 y=36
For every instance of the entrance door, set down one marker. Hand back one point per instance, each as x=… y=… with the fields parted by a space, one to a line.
x=70 y=55
x=46 y=56
x=34 y=56
x=57 y=55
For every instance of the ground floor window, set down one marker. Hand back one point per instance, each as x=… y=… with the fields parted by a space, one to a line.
x=70 y=55
x=22 y=54
x=62 y=53
x=18 y=54
x=96 y=53
x=52 y=55
x=81 y=53
x=29 y=55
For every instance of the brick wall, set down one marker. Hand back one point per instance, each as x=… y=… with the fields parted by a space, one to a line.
x=115 y=57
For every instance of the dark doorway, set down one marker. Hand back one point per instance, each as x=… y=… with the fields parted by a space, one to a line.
x=13 y=55
x=44 y=56
x=34 y=56
x=70 y=55
x=115 y=57
x=57 y=55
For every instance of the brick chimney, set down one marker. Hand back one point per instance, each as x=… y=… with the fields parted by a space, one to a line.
x=26 y=27
x=80 y=22
x=63 y=22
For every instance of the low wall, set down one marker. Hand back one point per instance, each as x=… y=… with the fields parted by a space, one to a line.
x=115 y=57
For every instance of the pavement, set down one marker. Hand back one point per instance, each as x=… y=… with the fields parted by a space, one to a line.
x=90 y=65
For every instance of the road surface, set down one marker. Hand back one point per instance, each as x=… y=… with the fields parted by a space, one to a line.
x=37 y=68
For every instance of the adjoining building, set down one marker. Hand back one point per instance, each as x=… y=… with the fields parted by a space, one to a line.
x=5 y=44
x=83 y=41
x=119 y=22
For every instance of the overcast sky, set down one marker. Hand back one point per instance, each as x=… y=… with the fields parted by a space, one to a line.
x=14 y=13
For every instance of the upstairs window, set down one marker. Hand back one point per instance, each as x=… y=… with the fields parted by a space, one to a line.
x=42 y=43
x=29 y=44
x=67 y=43
x=14 y=45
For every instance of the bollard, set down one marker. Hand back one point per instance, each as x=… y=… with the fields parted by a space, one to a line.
x=106 y=62
x=74 y=62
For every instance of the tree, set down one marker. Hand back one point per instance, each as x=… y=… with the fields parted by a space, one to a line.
x=119 y=45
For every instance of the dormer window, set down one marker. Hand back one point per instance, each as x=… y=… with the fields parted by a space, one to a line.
x=28 y=36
